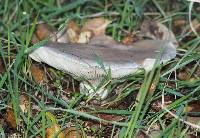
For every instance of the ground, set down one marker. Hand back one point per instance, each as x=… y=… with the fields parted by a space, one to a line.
x=37 y=100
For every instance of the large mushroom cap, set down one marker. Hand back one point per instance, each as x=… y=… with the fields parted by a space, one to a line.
x=81 y=60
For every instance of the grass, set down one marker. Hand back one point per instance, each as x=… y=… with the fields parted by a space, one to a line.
x=18 y=20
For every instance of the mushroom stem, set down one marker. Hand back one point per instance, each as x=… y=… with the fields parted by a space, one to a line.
x=92 y=88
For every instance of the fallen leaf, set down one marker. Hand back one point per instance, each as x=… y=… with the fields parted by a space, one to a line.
x=183 y=75
x=110 y=117
x=24 y=103
x=73 y=25
x=158 y=31
x=38 y=74
x=97 y=25
x=43 y=31
x=85 y=36
x=2 y=68
x=193 y=120
x=11 y=117
x=151 y=29
x=198 y=71
x=196 y=25
x=129 y=39
x=141 y=134
x=52 y=131
x=153 y=87
x=154 y=84
x=179 y=22
x=156 y=105
x=179 y=26
x=192 y=79
x=155 y=133
x=73 y=31
x=34 y=39
x=62 y=36
x=73 y=37
x=193 y=106
x=72 y=132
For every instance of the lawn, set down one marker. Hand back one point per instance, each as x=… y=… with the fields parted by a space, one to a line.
x=37 y=100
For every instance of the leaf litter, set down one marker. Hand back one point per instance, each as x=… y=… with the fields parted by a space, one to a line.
x=93 y=31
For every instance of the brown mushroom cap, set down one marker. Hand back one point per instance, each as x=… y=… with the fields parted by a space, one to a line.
x=81 y=60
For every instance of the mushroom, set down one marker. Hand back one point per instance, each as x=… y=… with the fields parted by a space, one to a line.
x=80 y=60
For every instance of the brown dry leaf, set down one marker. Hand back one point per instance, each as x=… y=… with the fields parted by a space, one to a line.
x=34 y=39
x=179 y=22
x=193 y=120
x=73 y=31
x=72 y=132
x=141 y=134
x=73 y=25
x=54 y=130
x=110 y=117
x=198 y=71
x=11 y=117
x=192 y=79
x=154 y=84
x=61 y=36
x=152 y=87
x=97 y=25
x=196 y=25
x=151 y=90
x=179 y=26
x=43 y=31
x=151 y=29
x=156 y=133
x=193 y=107
x=85 y=36
x=129 y=39
x=24 y=103
x=156 y=105
x=183 y=75
x=158 y=31
x=2 y=68
x=38 y=74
